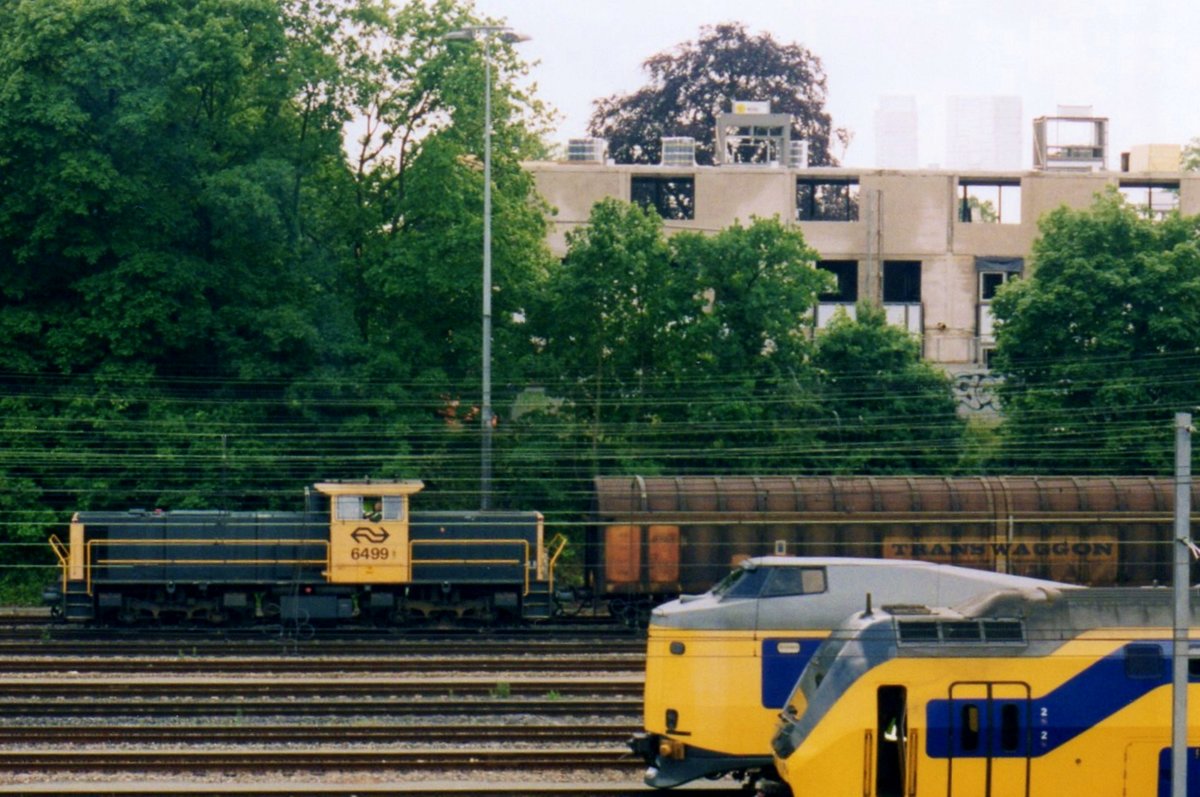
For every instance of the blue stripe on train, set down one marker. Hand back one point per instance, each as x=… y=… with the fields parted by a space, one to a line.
x=1052 y=720
x=1193 y=772
x=781 y=670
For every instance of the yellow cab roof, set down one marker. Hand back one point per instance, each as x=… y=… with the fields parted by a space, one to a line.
x=380 y=488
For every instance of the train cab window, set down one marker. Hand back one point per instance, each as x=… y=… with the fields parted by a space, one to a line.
x=794 y=581
x=742 y=583
x=1144 y=661
x=348 y=507
x=393 y=507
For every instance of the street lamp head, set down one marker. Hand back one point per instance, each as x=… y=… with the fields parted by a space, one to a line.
x=472 y=32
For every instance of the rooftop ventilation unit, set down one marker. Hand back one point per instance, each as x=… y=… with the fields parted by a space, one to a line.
x=678 y=151
x=587 y=150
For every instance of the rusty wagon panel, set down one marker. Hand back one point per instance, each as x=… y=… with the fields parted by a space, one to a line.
x=683 y=533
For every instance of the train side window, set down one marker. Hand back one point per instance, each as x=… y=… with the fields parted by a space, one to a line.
x=969 y=735
x=794 y=581
x=1010 y=727
x=348 y=507
x=1144 y=661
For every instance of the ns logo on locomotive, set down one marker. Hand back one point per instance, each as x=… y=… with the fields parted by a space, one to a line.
x=356 y=551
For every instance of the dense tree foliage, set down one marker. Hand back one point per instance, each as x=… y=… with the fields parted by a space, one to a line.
x=206 y=299
x=887 y=410
x=1101 y=345
x=693 y=355
x=1189 y=159
x=690 y=85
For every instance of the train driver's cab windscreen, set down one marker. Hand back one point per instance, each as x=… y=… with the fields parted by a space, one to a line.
x=772 y=582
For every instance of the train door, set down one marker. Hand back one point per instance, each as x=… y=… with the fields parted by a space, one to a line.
x=894 y=745
x=990 y=739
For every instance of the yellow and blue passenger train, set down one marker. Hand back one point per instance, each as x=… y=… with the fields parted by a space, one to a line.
x=1064 y=694
x=719 y=666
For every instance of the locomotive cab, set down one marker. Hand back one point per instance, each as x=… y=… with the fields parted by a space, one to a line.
x=369 y=531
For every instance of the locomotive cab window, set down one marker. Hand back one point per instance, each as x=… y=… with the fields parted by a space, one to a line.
x=744 y=582
x=373 y=508
x=348 y=507
x=393 y=507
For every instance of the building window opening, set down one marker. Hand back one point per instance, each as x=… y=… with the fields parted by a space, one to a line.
x=673 y=197
x=901 y=281
x=846 y=274
x=990 y=282
x=989 y=202
x=826 y=200
x=1153 y=201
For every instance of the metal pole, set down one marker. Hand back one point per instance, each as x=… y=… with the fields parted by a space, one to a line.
x=1179 y=653
x=485 y=415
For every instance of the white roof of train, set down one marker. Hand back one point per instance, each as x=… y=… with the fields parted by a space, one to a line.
x=848 y=582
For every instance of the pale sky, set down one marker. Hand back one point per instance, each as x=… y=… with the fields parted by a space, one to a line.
x=1138 y=63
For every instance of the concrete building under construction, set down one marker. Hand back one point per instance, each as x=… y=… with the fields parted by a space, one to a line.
x=931 y=246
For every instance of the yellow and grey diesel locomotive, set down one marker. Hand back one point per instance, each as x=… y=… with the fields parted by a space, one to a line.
x=356 y=551
x=1028 y=694
x=719 y=666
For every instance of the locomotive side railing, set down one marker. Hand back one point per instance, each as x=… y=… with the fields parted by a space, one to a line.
x=92 y=559
x=556 y=547
x=64 y=557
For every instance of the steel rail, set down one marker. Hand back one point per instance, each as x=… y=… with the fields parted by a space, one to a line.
x=309 y=759
x=161 y=665
x=324 y=710
x=329 y=688
x=455 y=788
x=317 y=734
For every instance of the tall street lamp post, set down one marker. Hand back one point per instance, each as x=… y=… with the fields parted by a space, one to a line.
x=505 y=34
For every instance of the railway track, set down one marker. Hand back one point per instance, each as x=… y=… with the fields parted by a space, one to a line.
x=188 y=664
x=389 y=734
x=358 y=647
x=234 y=710
x=330 y=689
x=324 y=710
x=310 y=758
x=457 y=788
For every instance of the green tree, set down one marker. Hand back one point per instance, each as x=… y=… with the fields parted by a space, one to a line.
x=1101 y=345
x=608 y=325
x=679 y=355
x=693 y=83
x=882 y=409
x=1189 y=159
